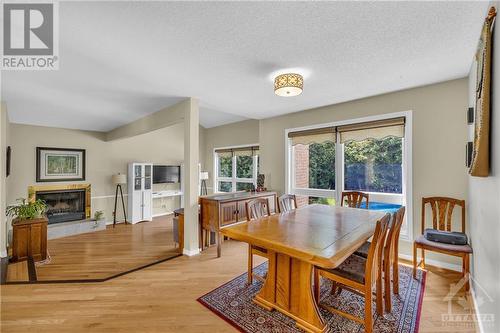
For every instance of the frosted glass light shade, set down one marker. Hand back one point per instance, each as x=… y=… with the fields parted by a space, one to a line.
x=204 y=175
x=288 y=85
x=119 y=179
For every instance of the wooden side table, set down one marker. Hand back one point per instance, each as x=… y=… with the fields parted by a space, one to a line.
x=29 y=239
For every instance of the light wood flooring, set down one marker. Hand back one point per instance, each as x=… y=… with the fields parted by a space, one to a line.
x=162 y=298
x=101 y=254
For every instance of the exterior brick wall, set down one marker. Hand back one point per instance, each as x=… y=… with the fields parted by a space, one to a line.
x=302 y=171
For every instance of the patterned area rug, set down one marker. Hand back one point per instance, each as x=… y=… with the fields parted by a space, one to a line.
x=233 y=302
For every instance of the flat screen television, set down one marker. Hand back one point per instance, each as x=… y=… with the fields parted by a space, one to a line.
x=166 y=174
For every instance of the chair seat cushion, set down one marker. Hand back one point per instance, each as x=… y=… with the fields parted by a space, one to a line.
x=363 y=250
x=443 y=246
x=353 y=268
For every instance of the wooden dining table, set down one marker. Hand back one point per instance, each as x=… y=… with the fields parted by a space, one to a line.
x=296 y=241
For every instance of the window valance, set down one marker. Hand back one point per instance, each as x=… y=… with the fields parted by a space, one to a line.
x=241 y=151
x=378 y=129
x=319 y=135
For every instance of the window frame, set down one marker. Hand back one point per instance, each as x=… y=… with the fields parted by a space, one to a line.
x=405 y=198
x=234 y=179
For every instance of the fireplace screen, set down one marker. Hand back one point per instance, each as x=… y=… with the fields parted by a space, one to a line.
x=64 y=205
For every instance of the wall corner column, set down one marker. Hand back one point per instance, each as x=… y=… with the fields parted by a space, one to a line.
x=191 y=160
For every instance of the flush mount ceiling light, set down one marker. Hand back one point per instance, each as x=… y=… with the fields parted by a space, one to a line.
x=288 y=85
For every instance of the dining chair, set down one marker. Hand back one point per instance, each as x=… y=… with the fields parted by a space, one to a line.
x=390 y=257
x=256 y=209
x=442 y=213
x=359 y=275
x=287 y=202
x=354 y=199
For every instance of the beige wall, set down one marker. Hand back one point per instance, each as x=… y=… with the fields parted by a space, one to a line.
x=439 y=136
x=484 y=207
x=163 y=146
x=240 y=133
x=4 y=131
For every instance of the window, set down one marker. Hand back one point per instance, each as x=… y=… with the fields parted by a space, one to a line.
x=236 y=168
x=369 y=156
x=313 y=154
x=374 y=165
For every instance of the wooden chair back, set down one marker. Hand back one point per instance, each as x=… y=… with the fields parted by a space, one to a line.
x=442 y=212
x=392 y=241
x=287 y=202
x=354 y=199
x=374 y=259
x=257 y=208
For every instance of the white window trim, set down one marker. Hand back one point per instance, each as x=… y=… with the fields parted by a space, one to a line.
x=406 y=198
x=233 y=179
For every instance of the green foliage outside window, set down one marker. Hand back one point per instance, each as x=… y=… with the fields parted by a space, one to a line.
x=225 y=166
x=244 y=166
x=374 y=165
x=322 y=165
x=322 y=201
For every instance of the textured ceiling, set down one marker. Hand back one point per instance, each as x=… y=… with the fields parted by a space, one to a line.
x=120 y=61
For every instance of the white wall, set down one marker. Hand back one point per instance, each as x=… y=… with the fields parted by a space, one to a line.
x=484 y=206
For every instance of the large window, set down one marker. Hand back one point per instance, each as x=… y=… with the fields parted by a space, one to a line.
x=236 y=168
x=374 y=165
x=367 y=156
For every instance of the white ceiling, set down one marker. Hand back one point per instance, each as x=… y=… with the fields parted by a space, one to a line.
x=120 y=61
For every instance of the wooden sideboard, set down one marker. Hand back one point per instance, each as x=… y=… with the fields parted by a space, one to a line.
x=224 y=209
x=29 y=239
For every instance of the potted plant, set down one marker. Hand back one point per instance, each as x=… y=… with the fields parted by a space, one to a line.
x=27 y=210
x=29 y=234
x=98 y=216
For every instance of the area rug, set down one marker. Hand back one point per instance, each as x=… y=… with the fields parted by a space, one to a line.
x=233 y=302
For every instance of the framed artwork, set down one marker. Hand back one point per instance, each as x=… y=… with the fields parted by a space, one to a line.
x=59 y=164
x=8 y=158
x=480 y=160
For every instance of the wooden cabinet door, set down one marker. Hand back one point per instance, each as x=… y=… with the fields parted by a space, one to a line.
x=242 y=211
x=20 y=242
x=37 y=241
x=228 y=212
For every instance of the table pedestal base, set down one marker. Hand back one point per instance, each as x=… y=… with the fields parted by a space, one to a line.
x=288 y=289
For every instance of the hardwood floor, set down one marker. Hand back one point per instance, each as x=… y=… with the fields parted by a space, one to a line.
x=102 y=254
x=162 y=298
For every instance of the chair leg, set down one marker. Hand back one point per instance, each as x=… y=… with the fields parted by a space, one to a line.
x=423 y=258
x=368 y=311
x=466 y=271
x=316 y=285
x=415 y=260
x=395 y=276
x=387 y=286
x=250 y=265
x=379 y=296
x=219 y=244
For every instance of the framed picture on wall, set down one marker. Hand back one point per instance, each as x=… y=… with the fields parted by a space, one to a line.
x=59 y=164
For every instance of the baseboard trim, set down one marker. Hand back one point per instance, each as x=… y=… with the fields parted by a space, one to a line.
x=476 y=307
x=191 y=252
x=436 y=263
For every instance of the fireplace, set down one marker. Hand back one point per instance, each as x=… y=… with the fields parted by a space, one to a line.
x=65 y=202
x=64 y=205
